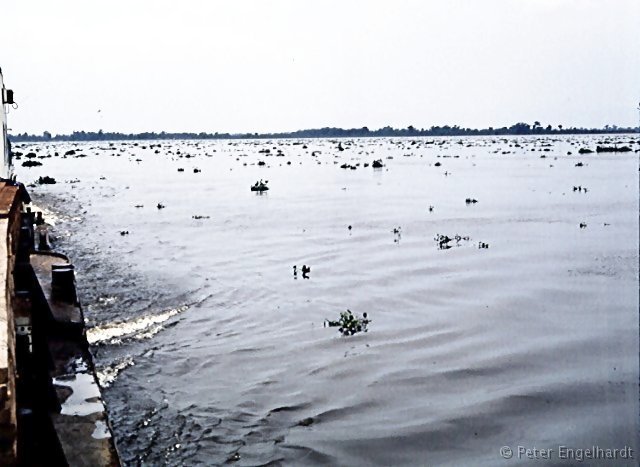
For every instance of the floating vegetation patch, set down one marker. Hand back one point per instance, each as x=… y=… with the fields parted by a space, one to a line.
x=445 y=242
x=46 y=180
x=613 y=149
x=349 y=324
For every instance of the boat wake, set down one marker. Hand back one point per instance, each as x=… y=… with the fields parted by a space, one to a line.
x=138 y=329
x=144 y=327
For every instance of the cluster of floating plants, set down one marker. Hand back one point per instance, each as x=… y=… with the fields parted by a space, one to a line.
x=444 y=241
x=260 y=186
x=349 y=324
x=46 y=180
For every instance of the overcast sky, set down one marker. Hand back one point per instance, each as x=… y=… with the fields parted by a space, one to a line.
x=265 y=65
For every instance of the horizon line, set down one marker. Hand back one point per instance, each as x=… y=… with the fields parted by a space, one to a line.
x=517 y=129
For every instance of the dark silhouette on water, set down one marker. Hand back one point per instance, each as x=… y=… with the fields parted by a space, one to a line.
x=260 y=186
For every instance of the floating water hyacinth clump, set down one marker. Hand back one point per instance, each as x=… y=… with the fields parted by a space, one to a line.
x=349 y=324
x=445 y=242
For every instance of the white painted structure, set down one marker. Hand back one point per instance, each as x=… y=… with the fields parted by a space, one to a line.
x=5 y=150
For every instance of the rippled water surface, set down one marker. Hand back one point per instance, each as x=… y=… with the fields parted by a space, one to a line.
x=211 y=351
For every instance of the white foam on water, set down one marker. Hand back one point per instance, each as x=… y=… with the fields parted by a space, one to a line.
x=108 y=375
x=141 y=328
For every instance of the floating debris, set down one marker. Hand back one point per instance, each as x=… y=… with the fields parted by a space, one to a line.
x=198 y=217
x=444 y=241
x=305 y=271
x=349 y=324
x=471 y=201
x=46 y=180
x=397 y=231
x=613 y=149
x=260 y=186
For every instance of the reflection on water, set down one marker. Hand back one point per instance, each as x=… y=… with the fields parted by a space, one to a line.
x=503 y=302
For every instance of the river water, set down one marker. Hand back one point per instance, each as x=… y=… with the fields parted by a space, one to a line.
x=210 y=350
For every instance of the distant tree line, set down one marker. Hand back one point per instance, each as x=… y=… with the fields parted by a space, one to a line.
x=446 y=130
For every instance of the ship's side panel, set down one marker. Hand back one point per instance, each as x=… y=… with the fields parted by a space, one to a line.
x=4 y=146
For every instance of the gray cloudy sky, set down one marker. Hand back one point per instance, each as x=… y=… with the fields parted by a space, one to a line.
x=269 y=65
